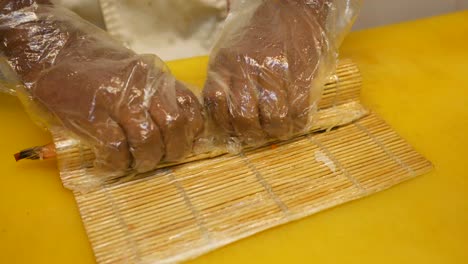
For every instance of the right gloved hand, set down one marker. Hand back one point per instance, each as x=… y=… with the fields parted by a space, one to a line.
x=127 y=106
x=267 y=71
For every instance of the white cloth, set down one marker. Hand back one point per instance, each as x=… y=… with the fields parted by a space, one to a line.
x=171 y=29
x=87 y=9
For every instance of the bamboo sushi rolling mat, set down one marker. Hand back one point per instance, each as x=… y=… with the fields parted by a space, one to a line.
x=183 y=211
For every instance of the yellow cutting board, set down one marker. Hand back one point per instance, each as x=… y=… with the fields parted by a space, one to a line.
x=415 y=77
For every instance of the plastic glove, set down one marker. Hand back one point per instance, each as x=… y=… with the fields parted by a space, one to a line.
x=127 y=106
x=270 y=63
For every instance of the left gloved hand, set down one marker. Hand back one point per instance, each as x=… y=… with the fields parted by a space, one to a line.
x=127 y=107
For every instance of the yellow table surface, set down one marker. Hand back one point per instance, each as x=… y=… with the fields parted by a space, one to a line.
x=415 y=76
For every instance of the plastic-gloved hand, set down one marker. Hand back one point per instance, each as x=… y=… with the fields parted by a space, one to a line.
x=127 y=106
x=269 y=65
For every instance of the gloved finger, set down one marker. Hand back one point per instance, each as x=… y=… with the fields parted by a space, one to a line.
x=191 y=108
x=300 y=104
x=172 y=122
x=107 y=139
x=243 y=105
x=273 y=102
x=303 y=91
x=215 y=93
x=143 y=135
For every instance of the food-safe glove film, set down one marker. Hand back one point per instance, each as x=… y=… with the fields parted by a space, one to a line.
x=265 y=79
x=268 y=67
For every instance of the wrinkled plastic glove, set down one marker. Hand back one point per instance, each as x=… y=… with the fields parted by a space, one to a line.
x=127 y=106
x=268 y=67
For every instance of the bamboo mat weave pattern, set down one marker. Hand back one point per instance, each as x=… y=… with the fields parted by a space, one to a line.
x=184 y=211
x=180 y=212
